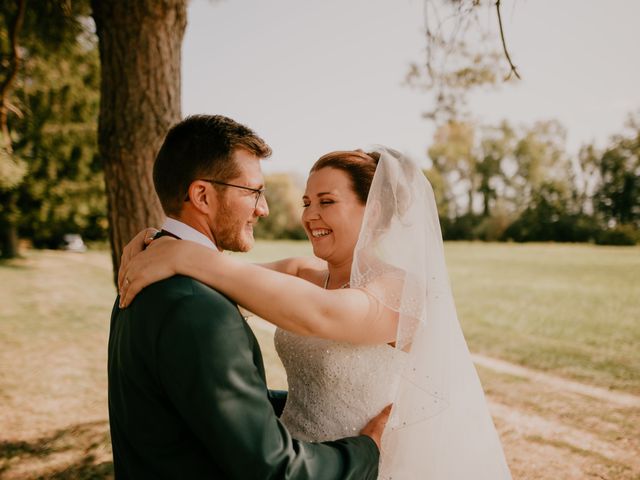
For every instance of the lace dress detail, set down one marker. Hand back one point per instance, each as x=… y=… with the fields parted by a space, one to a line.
x=335 y=388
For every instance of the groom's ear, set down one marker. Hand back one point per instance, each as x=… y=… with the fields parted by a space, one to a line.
x=202 y=197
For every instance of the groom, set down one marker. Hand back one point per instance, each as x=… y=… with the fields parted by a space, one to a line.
x=187 y=392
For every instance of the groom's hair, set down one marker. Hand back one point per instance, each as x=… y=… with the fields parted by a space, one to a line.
x=200 y=146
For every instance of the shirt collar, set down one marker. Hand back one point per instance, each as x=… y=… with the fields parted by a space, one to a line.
x=186 y=232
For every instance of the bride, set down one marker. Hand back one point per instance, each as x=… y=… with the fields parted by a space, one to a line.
x=368 y=321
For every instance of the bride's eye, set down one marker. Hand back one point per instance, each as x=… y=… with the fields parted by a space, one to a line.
x=305 y=205
x=326 y=202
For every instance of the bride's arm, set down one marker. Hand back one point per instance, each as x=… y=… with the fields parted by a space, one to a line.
x=287 y=301
x=290 y=266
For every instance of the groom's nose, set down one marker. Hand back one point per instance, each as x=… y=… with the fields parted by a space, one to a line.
x=262 y=208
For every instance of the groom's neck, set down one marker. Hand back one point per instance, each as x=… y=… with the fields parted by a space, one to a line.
x=199 y=223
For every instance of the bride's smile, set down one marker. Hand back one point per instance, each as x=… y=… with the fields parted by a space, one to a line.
x=332 y=214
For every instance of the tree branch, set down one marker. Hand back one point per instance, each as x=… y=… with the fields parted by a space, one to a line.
x=513 y=69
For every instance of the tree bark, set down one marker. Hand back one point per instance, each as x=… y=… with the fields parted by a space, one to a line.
x=8 y=228
x=140 y=53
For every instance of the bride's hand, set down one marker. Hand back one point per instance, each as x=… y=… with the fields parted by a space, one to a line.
x=157 y=262
x=133 y=248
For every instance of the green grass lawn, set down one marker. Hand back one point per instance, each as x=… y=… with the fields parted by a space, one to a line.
x=572 y=310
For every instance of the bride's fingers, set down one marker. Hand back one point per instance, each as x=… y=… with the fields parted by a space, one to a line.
x=130 y=291
x=133 y=285
x=134 y=247
x=145 y=268
x=130 y=288
x=150 y=235
x=121 y=270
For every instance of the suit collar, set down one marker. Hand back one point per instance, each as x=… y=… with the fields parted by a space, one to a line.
x=186 y=232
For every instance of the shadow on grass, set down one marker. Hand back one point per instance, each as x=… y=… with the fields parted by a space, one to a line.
x=85 y=469
x=15 y=264
x=83 y=438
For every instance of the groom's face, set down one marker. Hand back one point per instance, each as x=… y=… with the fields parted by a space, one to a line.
x=237 y=211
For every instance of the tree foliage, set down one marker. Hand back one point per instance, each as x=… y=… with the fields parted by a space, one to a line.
x=618 y=195
x=508 y=183
x=55 y=184
x=64 y=191
x=284 y=200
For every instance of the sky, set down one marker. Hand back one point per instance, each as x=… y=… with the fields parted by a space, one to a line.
x=316 y=76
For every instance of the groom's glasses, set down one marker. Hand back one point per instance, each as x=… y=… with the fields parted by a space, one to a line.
x=257 y=192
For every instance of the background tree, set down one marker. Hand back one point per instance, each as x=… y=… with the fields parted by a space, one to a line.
x=540 y=157
x=43 y=116
x=587 y=178
x=285 y=208
x=140 y=52
x=59 y=98
x=618 y=196
x=453 y=156
x=496 y=146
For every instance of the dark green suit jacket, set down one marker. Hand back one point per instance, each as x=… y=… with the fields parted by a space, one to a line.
x=188 y=399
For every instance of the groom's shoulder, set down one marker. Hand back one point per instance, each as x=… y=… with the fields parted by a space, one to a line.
x=184 y=296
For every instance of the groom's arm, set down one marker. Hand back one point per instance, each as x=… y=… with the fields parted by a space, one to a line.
x=206 y=367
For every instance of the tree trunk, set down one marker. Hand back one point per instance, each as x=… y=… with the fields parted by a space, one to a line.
x=8 y=229
x=140 y=54
x=486 y=211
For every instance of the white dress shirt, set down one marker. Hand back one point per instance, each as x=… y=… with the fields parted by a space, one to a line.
x=186 y=232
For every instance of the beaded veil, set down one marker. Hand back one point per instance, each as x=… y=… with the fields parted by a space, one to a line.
x=440 y=427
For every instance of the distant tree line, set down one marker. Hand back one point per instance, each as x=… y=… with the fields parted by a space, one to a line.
x=507 y=183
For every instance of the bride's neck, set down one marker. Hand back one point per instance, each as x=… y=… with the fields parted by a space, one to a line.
x=339 y=274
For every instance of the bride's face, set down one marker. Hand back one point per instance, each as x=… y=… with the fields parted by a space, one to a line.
x=332 y=215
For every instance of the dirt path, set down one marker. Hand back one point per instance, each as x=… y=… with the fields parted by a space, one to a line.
x=561 y=384
x=554 y=428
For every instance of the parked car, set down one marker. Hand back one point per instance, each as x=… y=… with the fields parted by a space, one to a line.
x=73 y=242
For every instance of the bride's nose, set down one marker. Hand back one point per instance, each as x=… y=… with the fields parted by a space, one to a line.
x=310 y=213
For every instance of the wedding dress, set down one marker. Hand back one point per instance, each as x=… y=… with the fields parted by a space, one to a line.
x=440 y=427
x=335 y=388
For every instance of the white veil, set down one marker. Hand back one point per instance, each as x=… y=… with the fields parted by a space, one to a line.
x=440 y=427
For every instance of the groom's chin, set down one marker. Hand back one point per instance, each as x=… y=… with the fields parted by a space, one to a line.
x=245 y=242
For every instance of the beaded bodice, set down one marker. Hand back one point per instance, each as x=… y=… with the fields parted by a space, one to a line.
x=334 y=388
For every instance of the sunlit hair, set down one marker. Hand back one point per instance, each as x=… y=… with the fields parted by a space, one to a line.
x=200 y=146
x=358 y=165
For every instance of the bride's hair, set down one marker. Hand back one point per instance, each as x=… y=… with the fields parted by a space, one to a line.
x=357 y=164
